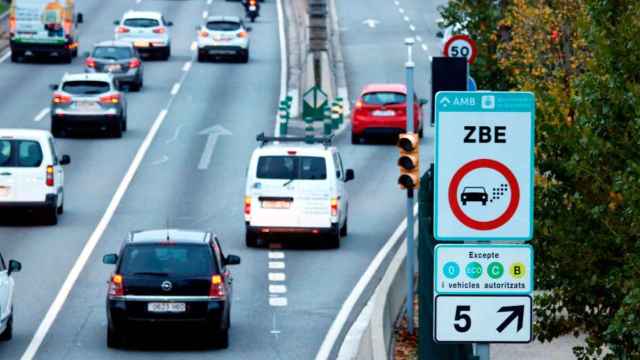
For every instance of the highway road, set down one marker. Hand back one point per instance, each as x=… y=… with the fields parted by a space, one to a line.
x=154 y=176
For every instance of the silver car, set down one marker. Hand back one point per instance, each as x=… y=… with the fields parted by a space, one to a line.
x=88 y=102
x=148 y=31
x=119 y=59
x=6 y=297
x=223 y=36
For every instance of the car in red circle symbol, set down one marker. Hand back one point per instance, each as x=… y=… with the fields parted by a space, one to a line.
x=474 y=193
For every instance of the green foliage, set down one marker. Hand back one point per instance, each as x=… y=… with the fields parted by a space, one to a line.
x=581 y=59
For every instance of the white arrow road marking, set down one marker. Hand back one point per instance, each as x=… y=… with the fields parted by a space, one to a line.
x=213 y=133
x=371 y=22
x=41 y=115
x=176 y=134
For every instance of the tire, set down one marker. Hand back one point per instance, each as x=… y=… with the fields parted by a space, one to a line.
x=15 y=57
x=60 y=208
x=166 y=53
x=51 y=216
x=116 y=130
x=8 y=331
x=68 y=57
x=56 y=130
x=221 y=339
x=420 y=133
x=201 y=57
x=74 y=53
x=333 y=240
x=251 y=239
x=344 y=229
x=355 y=139
x=244 y=57
x=114 y=339
x=464 y=203
x=136 y=86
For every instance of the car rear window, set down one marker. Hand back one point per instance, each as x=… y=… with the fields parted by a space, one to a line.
x=20 y=153
x=292 y=167
x=383 y=98
x=86 y=87
x=223 y=26
x=112 y=52
x=172 y=259
x=141 y=23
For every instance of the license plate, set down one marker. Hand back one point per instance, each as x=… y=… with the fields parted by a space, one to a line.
x=221 y=52
x=140 y=44
x=384 y=113
x=276 y=204
x=114 y=68
x=86 y=105
x=4 y=191
x=164 y=307
x=252 y=8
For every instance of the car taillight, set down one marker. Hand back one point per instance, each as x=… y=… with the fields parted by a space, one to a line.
x=116 y=285
x=216 y=290
x=134 y=63
x=334 y=207
x=247 y=205
x=110 y=99
x=122 y=29
x=50 y=179
x=90 y=62
x=203 y=34
x=59 y=98
x=242 y=34
x=159 y=30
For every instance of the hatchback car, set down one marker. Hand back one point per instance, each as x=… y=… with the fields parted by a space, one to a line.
x=6 y=297
x=118 y=58
x=223 y=36
x=31 y=174
x=170 y=277
x=148 y=31
x=381 y=109
x=88 y=101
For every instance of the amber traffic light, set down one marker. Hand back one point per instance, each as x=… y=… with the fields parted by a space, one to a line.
x=409 y=161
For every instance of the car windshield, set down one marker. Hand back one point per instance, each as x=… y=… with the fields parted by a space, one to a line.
x=383 y=98
x=170 y=259
x=113 y=52
x=223 y=26
x=86 y=87
x=20 y=153
x=292 y=167
x=474 y=189
x=141 y=23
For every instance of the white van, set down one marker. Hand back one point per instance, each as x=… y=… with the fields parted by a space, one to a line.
x=31 y=175
x=296 y=187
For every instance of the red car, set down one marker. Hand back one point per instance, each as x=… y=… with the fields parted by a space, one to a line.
x=381 y=110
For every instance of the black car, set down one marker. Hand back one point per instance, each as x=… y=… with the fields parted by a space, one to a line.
x=474 y=193
x=170 y=277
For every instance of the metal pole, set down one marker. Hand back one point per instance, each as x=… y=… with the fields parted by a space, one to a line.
x=410 y=247
x=483 y=352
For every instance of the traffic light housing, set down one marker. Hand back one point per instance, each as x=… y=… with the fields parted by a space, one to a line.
x=409 y=161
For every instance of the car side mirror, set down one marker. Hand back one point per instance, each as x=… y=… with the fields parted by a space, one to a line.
x=423 y=102
x=110 y=259
x=169 y=23
x=349 y=175
x=116 y=22
x=232 y=260
x=14 y=266
x=65 y=160
x=79 y=18
x=53 y=87
x=440 y=35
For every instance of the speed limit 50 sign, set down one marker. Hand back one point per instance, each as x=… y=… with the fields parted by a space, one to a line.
x=461 y=46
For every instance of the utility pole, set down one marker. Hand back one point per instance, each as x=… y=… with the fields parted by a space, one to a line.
x=409 y=66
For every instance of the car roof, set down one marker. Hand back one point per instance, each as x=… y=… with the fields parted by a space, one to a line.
x=142 y=15
x=224 y=18
x=301 y=149
x=88 y=76
x=31 y=134
x=175 y=235
x=113 y=43
x=399 y=88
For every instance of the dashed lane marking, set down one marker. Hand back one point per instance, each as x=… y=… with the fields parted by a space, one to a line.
x=401 y=10
x=278 y=301
x=276 y=265
x=205 y=14
x=277 y=289
x=406 y=18
x=425 y=47
x=419 y=38
x=175 y=89
x=413 y=28
x=44 y=112
x=186 y=66
x=277 y=276
x=276 y=255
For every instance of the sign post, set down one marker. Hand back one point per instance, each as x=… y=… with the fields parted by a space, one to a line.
x=484 y=173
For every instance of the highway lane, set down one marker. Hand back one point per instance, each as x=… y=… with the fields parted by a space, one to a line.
x=47 y=253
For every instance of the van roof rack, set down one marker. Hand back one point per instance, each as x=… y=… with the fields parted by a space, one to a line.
x=324 y=140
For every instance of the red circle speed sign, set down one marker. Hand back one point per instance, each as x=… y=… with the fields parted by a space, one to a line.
x=511 y=207
x=461 y=46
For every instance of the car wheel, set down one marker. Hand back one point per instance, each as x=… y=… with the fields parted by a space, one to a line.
x=114 y=339
x=201 y=57
x=60 y=208
x=355 y=139
x=57 y=130
x=136 y=86
x=244 y=56
x=420 y=133
x=116 y=129
x=166 y=53
x=68 y=57
x=343 y=229
x=15 y=57
x=8 y=331
x=333 y=240
x=251 y=239
x=51 y=215
x=464 y=203
x=124 y=124
x=221 y=339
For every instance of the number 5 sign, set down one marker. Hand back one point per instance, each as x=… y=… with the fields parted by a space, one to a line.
x=461 y=46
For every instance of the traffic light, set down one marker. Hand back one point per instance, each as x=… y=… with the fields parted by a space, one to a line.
x=409 y=161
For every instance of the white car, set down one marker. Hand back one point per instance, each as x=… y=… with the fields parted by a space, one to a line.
x=31 y=175
x=6 y=297
x=148 y=31
x=223 y=36
x=296 y=187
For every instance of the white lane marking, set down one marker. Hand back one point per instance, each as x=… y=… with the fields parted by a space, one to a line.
x=5 y=56
x=371 y=22
x=44 y=112
x=397 y=2
x=175 y=89
x=194 y=45
x=425 y=47
x=406 y=18
x=276 y=255
x=430 y=58
x=176 y=134
x=213 y=133
x=413 y=28
x=419 y=38
x=278 y=301
x=283 y=62
x=91 y=243
x=276 y=265
x=277 y=289
x=343 y=315
x=161 y=161
x=138 y=1
x=277 y=276
x=205 y=14
x=401 y=10
x=209 y=2
x=186 y=66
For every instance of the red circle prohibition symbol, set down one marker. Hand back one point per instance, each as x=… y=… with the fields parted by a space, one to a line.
x=506 y=215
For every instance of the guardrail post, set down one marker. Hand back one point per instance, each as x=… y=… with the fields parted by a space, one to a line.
x=340 y=102
x=308 y=127
x=283 y=115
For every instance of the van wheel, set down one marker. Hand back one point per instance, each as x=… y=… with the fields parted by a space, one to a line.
x=51 y=216
x=333 y=240
x=343 y=229
x=251 y=239
x=8 y=331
